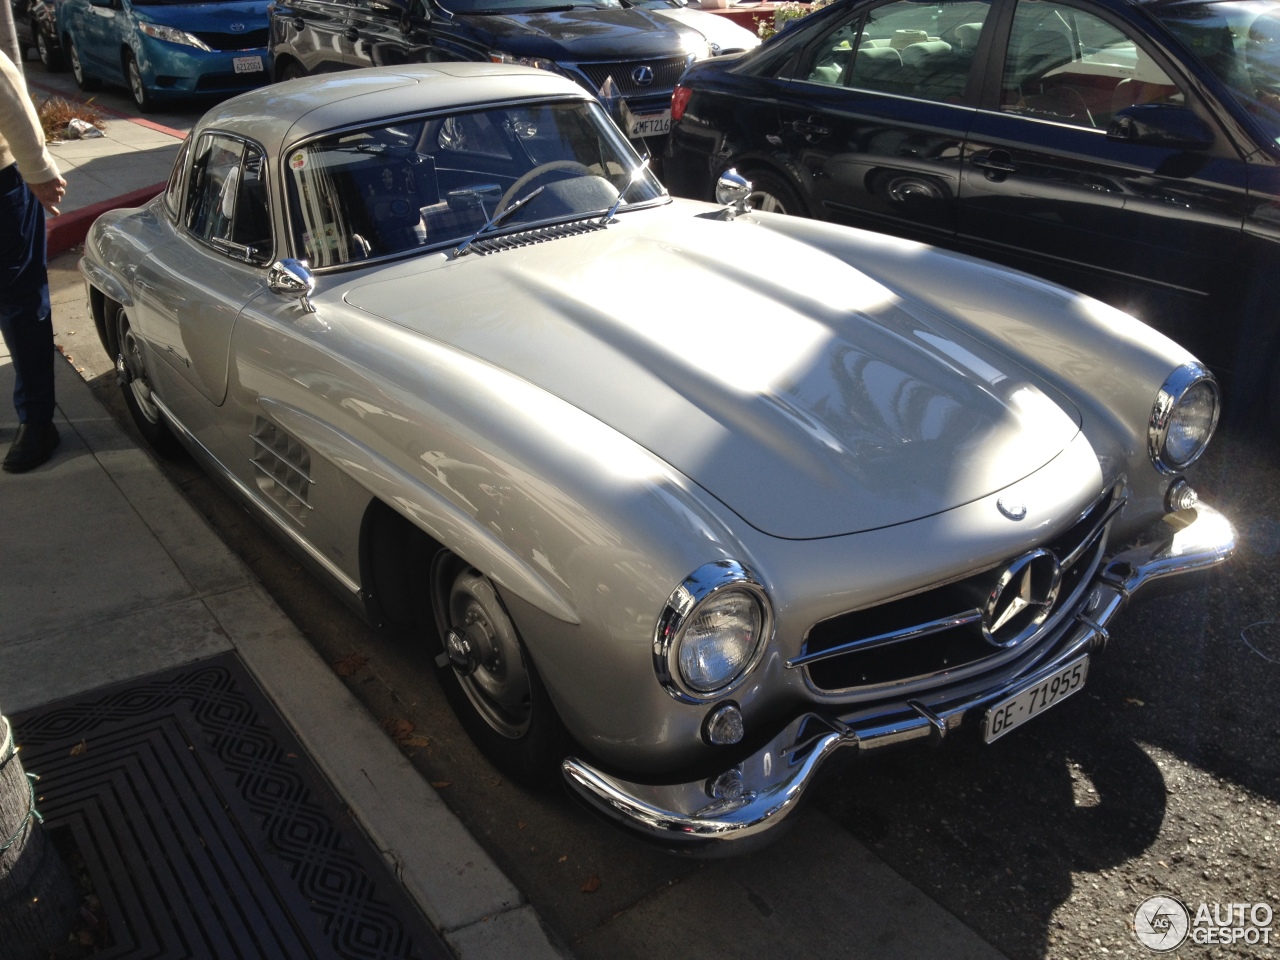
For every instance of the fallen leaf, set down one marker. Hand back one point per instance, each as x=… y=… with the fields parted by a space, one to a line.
x=441 y=784
x=292 y=756
x=592 y=884
x=414 y=742
x=520 y=824
x=563 y=858
x=1134 y=702
x=399 y=729
x=349 y=664
x=79 y=748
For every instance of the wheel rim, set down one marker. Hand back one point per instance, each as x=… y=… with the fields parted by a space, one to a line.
x=135 y=84
x=767 y=202
x=76 y=69
x=42 y=48
x=485 y=651
x=130 y=365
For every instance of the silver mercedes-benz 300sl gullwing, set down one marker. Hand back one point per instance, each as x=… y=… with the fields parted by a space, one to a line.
x=682 y=499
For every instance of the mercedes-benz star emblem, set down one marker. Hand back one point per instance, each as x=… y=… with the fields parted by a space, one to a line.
x=1022 y=599
x=643 y=76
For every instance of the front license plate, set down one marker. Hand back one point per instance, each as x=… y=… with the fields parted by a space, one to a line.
x=247 y=64
x=1033 y=701
x=645 y=124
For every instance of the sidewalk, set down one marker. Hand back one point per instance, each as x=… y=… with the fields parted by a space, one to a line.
x=107 y=575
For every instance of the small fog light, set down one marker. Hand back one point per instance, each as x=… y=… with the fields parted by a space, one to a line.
x=727 y=786
x=1180 y=496
x=723 y=726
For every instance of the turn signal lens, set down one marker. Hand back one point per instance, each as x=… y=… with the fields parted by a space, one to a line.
x=679 y=101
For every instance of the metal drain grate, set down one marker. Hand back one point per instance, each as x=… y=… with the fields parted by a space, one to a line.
x=207 y=831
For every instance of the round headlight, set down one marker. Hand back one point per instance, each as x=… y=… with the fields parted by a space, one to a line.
x=1183 y=418
x=711 y=632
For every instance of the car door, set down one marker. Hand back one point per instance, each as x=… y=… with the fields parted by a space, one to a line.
x=189 y=292
x=98 y=40
x=876 y=113
x=1044 y=185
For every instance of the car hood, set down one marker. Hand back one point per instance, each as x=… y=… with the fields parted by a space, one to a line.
x=807 y=397
x=583 y=35
x=205 y=17
x=721 y=31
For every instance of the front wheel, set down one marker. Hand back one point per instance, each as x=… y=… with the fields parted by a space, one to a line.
x=771 y=194
x=490 y=679
x=83 y=80
x=141 y=96
x=131 y=371
x=292 y=70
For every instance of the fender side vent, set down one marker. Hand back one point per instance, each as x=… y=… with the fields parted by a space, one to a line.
x=283 y=468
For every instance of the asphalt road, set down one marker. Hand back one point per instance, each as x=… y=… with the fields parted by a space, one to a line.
x=1161 y=777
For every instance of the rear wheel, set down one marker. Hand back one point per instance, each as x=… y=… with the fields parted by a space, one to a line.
x=292 y=70
x=131 y=371
x=771 y=194
x=136 y=87
x=50 y=55
x=489 y=677
x=83 y=80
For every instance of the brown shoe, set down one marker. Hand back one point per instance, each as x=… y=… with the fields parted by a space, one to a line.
x=33 y=445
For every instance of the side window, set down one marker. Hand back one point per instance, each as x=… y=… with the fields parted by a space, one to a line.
x=173 y=192
x=1070 y=66
x=914 y=49
x=227 y=198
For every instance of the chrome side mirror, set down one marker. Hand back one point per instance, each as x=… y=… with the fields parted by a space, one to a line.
x=292 y=279
x=733 y=190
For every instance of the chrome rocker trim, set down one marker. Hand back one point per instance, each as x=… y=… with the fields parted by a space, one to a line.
x=685 y=816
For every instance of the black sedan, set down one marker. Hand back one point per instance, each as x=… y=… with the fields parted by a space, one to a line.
x=1127 y=149
x=35 y=23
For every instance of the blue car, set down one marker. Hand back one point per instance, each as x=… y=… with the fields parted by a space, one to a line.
x=162 y=50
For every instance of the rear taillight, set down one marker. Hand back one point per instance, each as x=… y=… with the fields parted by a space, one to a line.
x=679 y=100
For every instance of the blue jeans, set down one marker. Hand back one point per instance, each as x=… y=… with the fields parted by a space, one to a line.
x=25 y=319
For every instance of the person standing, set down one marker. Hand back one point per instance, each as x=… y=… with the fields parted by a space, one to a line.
x=29 y=185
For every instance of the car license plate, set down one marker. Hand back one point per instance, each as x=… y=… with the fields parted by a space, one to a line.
x=645 y=124
x=1032 y=701
x=247 y=64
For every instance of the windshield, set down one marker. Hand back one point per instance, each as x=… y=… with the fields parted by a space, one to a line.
x=399 y=186
x=482 y=7
x=1239 y=41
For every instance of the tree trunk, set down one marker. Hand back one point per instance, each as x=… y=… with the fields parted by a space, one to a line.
x=37 y=898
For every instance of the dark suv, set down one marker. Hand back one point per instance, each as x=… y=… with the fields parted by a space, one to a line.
x=629 y=57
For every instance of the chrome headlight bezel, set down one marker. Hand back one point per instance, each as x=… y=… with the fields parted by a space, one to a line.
x=710 y=581
x=1175 y=389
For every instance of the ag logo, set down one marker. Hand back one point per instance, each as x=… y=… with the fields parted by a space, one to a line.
x=1022 y=599
x=1161 y=923
x=643 y=76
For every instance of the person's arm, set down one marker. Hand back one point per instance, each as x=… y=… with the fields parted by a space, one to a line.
x=20 y=127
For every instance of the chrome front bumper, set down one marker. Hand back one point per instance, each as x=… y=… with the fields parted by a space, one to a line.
x=685 y=816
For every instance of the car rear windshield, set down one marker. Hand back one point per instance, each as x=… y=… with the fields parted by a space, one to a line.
x=1239 y=41
x=403 y=185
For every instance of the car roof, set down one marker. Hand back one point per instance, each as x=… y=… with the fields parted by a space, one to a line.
x=280 y=114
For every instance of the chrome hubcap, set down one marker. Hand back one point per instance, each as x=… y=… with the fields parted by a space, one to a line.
x=483 y=648
x=766 y=202
x=130 y=371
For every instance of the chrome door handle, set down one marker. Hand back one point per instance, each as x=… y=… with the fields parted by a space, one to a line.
x=995 y=161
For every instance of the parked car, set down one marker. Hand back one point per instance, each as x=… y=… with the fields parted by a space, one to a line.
x=164 y=51
x=723 y=36
x=36 y=24
x=1125 y=148
x=680 y=539
x=627 y=54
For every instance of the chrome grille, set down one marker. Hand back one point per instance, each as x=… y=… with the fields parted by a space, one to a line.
x=283 y=468
x=665 y=74
x=248 y=40
x=940 y=630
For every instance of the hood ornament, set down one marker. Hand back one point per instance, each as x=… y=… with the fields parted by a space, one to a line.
x=1013 y=509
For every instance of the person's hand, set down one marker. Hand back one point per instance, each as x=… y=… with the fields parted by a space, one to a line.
x=50 y=193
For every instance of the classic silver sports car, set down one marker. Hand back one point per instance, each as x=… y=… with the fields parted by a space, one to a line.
x=681 y=498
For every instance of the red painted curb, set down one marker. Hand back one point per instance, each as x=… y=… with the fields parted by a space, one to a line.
x=65 y=231
x=150 y=124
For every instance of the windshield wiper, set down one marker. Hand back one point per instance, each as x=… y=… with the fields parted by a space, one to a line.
x=496 y=221
x=635 y=178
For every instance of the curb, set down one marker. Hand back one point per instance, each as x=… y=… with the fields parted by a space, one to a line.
x=66 y=230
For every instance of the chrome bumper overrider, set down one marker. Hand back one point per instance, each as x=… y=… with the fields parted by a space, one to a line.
x=685 y=815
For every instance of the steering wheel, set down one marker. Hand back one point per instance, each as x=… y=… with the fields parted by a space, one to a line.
x=516 y=189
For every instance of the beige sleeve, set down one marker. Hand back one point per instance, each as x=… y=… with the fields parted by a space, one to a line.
x=20 y=132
